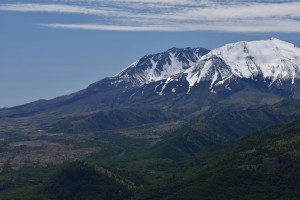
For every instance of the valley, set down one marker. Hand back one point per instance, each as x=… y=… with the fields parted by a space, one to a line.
x=158 y=157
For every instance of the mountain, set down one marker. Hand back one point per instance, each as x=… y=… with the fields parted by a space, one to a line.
x=185 y=82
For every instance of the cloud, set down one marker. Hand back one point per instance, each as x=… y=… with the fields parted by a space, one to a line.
x=111 y=27
x=56 y=8
x=174 y=15
x=252 y=26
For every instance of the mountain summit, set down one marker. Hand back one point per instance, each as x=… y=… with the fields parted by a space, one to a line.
x=273 y=60
x=155 y=67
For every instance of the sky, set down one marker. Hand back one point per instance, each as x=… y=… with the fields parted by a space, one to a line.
x=53 y=48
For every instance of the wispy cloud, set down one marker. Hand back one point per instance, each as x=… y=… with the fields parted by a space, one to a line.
x=57 y=8
x=286 y=26
x=173 y=15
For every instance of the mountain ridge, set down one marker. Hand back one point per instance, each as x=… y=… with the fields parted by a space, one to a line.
x=155 y=67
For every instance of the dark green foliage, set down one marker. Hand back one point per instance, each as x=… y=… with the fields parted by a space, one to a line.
x=238 y=170
x=233 y=171
x=218 y=157
x=78 y=180
x=23 y=184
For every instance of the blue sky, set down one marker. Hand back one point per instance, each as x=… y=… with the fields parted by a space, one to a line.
x=52 y=48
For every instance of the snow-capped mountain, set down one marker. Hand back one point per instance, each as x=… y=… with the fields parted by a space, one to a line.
x=155 y=67
x=188 y=80
x=273 y=61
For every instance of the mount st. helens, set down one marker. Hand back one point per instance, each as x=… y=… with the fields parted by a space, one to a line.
x=186 y=81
